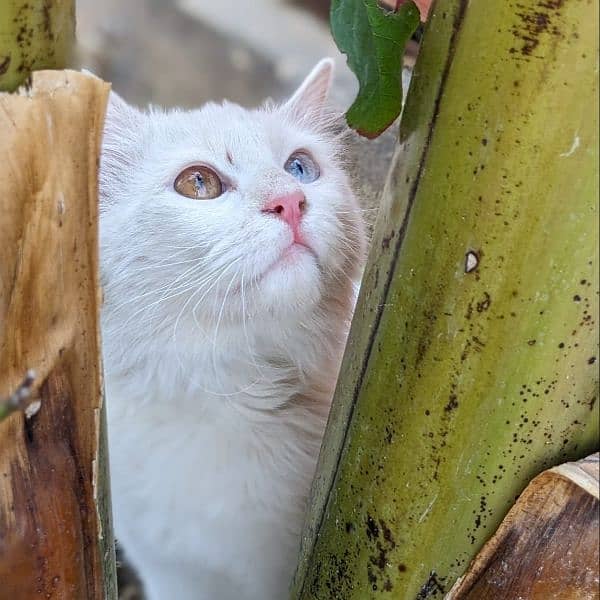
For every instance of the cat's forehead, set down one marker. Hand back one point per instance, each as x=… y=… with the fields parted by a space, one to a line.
x=231 y=129
x=233 y=126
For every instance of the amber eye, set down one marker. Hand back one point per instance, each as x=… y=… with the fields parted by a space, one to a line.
x=199 y=183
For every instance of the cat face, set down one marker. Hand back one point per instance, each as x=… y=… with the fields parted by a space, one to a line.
x=222 y=213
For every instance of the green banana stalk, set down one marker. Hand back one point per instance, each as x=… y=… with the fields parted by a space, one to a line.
x=472 y=362
x=34 y=35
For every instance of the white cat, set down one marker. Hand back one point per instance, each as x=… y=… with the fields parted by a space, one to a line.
x=230 y=243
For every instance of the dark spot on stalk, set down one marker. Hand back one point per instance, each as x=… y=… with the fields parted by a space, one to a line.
x=591 y=360
x=379 y=561
x=452 y=403
x=484 y=304
x=47 y=21
x=388 y=435
x=534 y=23
x=387 y=534
x=469 y=312
x=385 y=242
x=431 y=587
x=372 y=529
x=4 y=64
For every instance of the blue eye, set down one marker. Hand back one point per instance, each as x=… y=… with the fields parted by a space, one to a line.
x=301 y=166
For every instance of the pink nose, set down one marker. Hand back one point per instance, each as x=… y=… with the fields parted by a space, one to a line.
x=289 y=208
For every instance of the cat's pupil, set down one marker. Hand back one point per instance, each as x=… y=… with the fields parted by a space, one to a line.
x=302 y=166
x=199 y=180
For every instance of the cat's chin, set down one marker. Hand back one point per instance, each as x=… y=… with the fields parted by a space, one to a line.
x=293 y=281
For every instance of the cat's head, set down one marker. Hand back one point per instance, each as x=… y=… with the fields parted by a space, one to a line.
x=215 y=214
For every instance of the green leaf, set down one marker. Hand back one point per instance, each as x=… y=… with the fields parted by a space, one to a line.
x=374 y=39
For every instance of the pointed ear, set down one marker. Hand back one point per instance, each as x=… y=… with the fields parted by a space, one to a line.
x=311 y=96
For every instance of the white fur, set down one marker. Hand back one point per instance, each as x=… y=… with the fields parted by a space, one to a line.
x=220 y=360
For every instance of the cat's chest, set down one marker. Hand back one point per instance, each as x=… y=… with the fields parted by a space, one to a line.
x=163 y=451
x=216 y=485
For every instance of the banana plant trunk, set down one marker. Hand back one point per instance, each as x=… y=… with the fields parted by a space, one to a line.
x=472 y=359
x=34 y=35
x=55 y=526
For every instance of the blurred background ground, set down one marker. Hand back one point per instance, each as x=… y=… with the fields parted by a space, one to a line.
x=186 y=52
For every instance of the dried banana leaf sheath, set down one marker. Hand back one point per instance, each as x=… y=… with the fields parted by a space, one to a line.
x=55 y=533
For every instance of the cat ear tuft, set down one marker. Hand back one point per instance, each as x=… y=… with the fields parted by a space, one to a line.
x=120 y=116
x=311 y=96
x=120 y=145
x=122 y=124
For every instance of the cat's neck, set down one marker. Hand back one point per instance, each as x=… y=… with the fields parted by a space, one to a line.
x=253 y=367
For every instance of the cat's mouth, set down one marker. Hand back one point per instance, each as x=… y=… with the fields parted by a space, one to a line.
x=289 y=258
x=291 y=255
